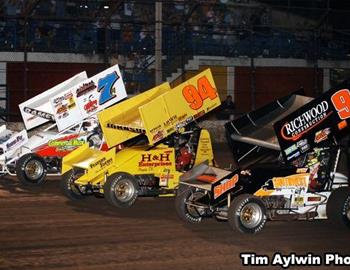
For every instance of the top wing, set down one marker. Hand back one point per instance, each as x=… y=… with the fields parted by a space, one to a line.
x=37 y=110
x=255 y=129
x=161 y=111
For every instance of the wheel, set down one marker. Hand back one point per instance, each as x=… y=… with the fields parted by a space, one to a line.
x=338 y=207
x=31 y=169
x=247 y=214
x=70 y=190
x=184 y=210
x=121 y=190
x=94 y=140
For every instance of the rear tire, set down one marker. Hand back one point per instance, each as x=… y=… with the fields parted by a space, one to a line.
x=247 y=214
x=186 y=212
x=338 y=207
x=68 y=187
x=121 y=190
x=31 y=169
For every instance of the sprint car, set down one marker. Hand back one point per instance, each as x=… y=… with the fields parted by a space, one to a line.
x=161 y=141
x=293 y=174
x=71 y=108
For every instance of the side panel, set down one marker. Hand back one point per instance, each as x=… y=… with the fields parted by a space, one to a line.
x=180 y=106
x=315 y=123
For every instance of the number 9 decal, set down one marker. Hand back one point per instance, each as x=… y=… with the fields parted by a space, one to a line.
x=341 y=102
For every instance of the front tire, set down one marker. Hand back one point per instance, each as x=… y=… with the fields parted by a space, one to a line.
x=31 y=169
x=121 y=190
x=247 y=214
x=70 y=190
x=186 y=212
x=338 y=207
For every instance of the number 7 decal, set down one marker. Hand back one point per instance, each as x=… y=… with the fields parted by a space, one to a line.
x=105 y=86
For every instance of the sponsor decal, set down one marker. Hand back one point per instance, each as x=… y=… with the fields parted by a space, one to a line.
x=121 y=127
x=155 y=160
x=16 y=140
x=302 y=143
x=294 y=129
x=298 y=201
x=86 y=88
x=71 y=103
x=297 y=180
x=314 y=199
x=38 y=113
x=62 y=109
x=164 y=178
x=170 y=130
x=291 y=149
x=182 y=117
x=303 y=146
x=57 y=101
x=102 y=163
x=225 y=185
x=170 y=121
x=343 y=124
x=65 y=145
x=302 y=170
x=184 y=123
x=296 y=154
x=91 y=105
x=322 y=135
x=158 y=136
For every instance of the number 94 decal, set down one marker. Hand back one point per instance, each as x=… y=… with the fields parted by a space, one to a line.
x=195 y=96
x=105 y=86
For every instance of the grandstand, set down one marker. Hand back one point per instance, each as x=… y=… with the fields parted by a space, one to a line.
x=257 y=49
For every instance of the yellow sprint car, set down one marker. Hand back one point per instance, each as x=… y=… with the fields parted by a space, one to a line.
x=159 y=140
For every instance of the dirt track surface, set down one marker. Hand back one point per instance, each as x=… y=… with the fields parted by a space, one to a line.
x=41 y=229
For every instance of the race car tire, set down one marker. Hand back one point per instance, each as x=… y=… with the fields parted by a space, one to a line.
x=247 y=214
x=31 y=169
x=338 y=207
x=121 y=190
x=68 y=187
x=185 y=212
